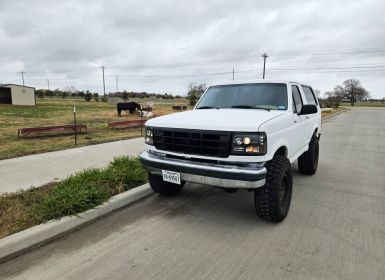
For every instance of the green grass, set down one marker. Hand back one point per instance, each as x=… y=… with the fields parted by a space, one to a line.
x=78 y=193
x=95 y=115
x=365 y=104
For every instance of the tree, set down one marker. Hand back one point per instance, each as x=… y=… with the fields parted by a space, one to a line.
x=125 y=95
x=317 y=93
x=352 y=90
x=96 y=97
x=104 y=98
x=64 y=94
x=195 y=91
x=68 y=91
x=40 y=93
x=88 y=96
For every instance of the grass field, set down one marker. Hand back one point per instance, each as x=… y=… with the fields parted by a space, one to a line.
x=365 y=104
x=95 y=115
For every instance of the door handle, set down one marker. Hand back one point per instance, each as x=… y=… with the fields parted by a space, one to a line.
x=295 y=121
x=307 y=117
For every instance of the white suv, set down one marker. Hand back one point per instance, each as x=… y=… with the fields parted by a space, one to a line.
x=238 y=136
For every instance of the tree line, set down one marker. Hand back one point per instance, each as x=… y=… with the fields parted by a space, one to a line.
x=72 y=92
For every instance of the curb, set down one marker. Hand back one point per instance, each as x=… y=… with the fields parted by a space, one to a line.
x=23 y=241
x=335 y=114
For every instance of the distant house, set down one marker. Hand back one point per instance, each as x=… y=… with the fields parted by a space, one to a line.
x=17 y=95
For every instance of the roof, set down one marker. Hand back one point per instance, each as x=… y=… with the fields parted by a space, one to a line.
x=255 y=81
x=9 y=85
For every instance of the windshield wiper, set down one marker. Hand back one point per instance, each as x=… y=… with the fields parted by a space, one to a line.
x=249 y=107
x=207 y=107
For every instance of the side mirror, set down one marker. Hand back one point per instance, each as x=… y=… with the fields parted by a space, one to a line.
x=308 y=109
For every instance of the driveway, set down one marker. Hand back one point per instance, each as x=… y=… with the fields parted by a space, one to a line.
x=335 y=228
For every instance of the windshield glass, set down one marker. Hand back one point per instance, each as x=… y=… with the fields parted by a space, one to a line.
x=245 y=96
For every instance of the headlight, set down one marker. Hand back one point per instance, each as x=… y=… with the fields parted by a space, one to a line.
x=249 y=144
x=149 y=135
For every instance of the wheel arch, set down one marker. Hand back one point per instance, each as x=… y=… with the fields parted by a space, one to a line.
x=281 y=151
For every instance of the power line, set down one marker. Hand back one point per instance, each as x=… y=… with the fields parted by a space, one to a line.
x=330 y=51
x=252 y=55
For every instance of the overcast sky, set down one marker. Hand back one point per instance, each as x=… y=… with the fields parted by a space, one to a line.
x=162 y=46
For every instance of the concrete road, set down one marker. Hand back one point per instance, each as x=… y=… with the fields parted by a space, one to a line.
x=36 y=170
x=335 y=228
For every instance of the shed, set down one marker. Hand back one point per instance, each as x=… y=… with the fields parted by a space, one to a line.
x=17 y=95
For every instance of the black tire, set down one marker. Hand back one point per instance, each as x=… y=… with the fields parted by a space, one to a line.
x=162 y=187
x=272 y=201
x=230 y=190
x=308 y=161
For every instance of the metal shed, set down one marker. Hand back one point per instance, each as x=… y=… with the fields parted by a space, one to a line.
x=17 y=95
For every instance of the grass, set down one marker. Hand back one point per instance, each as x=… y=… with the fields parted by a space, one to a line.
x=78 y=193
x=95 y=115
x=366 y=104
x=332 y=111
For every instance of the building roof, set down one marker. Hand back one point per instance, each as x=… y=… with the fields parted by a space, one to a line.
x=9 y=85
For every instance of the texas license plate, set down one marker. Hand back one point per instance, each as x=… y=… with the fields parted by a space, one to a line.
x=170 y=176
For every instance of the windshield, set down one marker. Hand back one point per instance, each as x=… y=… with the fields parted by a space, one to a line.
x=268 y=96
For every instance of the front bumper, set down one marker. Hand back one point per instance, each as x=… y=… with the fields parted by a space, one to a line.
x=234 y=175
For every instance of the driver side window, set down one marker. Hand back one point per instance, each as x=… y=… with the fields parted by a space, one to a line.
x=297 y=100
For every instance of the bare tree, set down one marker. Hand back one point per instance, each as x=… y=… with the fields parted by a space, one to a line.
x=70 y=89
x=317 y=93
x=195 y=91
x=352 y=90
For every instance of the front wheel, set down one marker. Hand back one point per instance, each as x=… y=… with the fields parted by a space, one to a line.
x=272 y=201
x=162 y=187
x=308 y=161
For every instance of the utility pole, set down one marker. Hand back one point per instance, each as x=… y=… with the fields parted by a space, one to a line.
x=22 y=76
x=233 y=73
x=104 y=83
x=264 y=64
x=48 y=83
x=117 y=84
x=75 y=128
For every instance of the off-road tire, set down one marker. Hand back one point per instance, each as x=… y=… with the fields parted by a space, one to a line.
x=231 y=190
x=308 y=161
x=162 y=187
x=272 y=201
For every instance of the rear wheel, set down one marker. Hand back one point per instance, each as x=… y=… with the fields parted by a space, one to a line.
x=272 y=201
x=162 y=187
x=230 y=190
x=308 y=161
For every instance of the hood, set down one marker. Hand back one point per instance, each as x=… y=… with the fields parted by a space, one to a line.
x=217 y=119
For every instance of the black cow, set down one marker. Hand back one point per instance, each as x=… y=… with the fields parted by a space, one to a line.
x=127 y=106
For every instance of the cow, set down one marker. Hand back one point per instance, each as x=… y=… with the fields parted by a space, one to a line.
x=127 y=106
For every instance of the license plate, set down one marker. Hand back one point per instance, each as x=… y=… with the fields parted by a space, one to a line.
x=170 y=176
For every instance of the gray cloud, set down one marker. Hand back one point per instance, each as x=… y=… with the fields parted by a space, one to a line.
x=67 y=41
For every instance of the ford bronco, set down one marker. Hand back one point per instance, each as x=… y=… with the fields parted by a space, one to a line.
x=238 y=136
